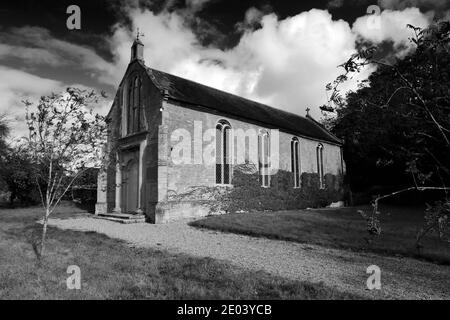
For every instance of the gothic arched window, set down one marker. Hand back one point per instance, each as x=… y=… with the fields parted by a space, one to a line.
x=319 y=152
x=141 y=122
x=264 y=158
x=295 y=161
x=223 y=148
x=134 y=105
x=130 y=102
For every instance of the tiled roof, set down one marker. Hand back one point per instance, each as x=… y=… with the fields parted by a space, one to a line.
x=198 y=94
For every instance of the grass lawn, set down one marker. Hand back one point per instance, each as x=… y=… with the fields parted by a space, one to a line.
x=340 y=228
x=110 y=269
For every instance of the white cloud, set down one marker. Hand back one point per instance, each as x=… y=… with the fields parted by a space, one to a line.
x=286 y=63
x=296 y=57
x=35 y=45
x=167 y=40
x=16 y=86
x=252 y=17
x=391 y=26
x=30 y=55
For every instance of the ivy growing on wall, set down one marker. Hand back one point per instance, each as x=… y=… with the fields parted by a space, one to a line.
x=246 y=193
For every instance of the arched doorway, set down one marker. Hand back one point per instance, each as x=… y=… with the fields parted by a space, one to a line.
x=130 y=187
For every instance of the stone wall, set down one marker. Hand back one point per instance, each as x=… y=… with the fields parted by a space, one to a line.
x=147 y=141
x=180 y=198
x=182 y=177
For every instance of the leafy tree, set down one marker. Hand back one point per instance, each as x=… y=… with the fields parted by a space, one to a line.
x=4 y=132
x=396 y=126
x=16 y=170
x=65 y=139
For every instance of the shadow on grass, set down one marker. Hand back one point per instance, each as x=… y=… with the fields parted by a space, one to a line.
x=112 y=269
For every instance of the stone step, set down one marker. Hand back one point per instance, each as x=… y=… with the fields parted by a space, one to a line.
x=120 y=220
x=122 y=215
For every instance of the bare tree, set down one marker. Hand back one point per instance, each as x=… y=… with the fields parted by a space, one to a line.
x=66 y=138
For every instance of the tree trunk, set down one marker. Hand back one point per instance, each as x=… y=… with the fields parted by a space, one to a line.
x=44 y=234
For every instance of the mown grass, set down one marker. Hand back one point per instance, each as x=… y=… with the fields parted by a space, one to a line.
x=110 y=269
x=341 y=228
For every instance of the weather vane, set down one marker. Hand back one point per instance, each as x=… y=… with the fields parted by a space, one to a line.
x=139 y=34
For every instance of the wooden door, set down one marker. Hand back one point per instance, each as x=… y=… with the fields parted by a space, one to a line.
x=131 y=187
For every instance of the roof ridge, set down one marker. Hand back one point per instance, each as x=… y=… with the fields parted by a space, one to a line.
x=219 y=90
x=323 y=127
x=185 y=90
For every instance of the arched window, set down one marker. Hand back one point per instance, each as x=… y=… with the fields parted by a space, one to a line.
x=141 y=121
x=130 y=102
x=223 y=154
x=295 y=161
x=264 y=158
x=134 y=103
x=319 y=152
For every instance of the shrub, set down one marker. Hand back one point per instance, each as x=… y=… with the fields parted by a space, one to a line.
x=248 y=195
x=436 y=221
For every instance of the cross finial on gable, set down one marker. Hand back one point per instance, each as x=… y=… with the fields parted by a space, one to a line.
x=307 y=111
x=137 y=49
x=139 y=34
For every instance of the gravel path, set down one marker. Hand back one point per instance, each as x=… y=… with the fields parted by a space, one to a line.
x=401 y=278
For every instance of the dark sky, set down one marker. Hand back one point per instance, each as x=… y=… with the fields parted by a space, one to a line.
x=98 y=16
x=219 y=16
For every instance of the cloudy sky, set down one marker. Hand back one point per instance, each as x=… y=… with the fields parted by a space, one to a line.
x=281 y=53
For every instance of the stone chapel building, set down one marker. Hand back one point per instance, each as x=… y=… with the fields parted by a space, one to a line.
x=155 y=115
